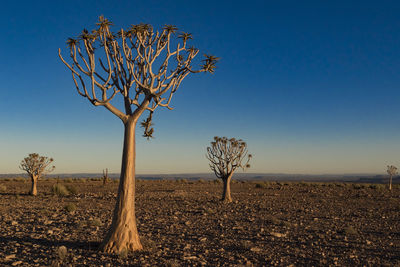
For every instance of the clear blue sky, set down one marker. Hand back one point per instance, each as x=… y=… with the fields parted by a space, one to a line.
x=312 y=86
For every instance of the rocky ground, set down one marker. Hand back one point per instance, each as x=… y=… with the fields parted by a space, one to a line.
x=183 y=223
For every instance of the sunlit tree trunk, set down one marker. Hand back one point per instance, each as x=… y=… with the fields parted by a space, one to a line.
x=226 y=193
x=33 y=191
x=390 y=183
x=123 y=234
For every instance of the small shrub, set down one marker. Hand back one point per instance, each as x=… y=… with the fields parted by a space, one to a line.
x=217 y=181
x=71 y=207
x=59 y=190
x=272 y=220
x=210 y=211
x=72 y=189
x=95 y=222
x=68 y=180
x=377 y=186
x=261 y=185
x=302 y=183
x=201 y=181
x=349 y=230
x=3 y=188
x=62 y=253
x=245 y=244
x=359 y=186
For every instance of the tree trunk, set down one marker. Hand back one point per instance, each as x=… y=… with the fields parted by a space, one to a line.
x=390 y=183
x=123 y=234
x=33 y=191
x=226 y=194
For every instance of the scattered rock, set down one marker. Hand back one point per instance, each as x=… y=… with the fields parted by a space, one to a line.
x=277 y=234
x=9 y=257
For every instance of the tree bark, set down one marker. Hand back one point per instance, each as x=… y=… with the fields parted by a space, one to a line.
x=226 y=194
x=33 y=191
x=123 y=234
x=390 y=183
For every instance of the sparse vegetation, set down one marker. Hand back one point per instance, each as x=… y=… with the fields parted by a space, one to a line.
x=188 y=223
x=71 y=189
x=95 y=222
x=350 y=231
x=261 y=185
x=71 y=207
x=3 y=188
x=60 y=190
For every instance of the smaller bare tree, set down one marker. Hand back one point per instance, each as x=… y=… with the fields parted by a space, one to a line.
x=105 y=176
x=36 y=166
x=392 y=171
x=225 y=156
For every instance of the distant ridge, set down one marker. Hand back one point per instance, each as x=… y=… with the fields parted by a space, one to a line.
x=356 y=178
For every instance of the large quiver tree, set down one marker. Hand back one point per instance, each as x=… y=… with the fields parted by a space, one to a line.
x=36 y=166
x=143 y=68
x=225 y=156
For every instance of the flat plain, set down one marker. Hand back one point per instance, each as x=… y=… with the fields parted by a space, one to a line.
x=183 y=223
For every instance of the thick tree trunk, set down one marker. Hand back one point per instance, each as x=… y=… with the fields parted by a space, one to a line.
x=123 y=234
x=33 y=191
x=226 y=194
x=390 y=183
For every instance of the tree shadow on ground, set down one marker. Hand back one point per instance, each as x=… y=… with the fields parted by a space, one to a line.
x=85 y=245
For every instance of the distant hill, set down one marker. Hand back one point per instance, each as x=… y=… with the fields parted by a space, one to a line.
x=356 y=178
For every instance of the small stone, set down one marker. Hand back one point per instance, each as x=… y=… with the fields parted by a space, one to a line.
x=14 y=222
x=255 y=249
x=50 y=232
x=16 y=263
x=278 y=234
x=9 y=257
x=204 y=239
x=190 y=258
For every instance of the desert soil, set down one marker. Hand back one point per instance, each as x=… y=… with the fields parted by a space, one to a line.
x=183 y=223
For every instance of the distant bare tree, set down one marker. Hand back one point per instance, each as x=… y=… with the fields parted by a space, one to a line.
x=143 y=68
x=105 y=176
x=392 y=171
x=225 y=156
x=36 y=166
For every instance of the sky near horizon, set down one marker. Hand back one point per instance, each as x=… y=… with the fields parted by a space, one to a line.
x=311 y=86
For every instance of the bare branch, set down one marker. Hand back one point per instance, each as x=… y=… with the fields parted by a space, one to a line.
x=226 y=155
x=128 y=60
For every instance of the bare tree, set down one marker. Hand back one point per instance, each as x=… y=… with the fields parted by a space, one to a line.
x=392 y=171
x=105 y=176
x=143 y=68
x=225 y=156
x=36 y=166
